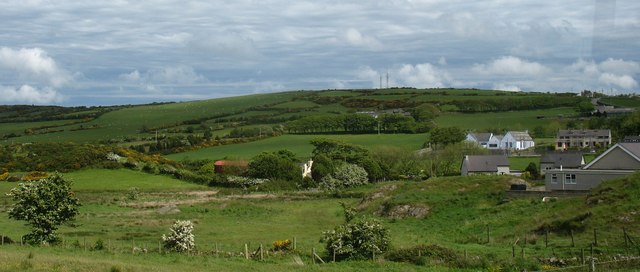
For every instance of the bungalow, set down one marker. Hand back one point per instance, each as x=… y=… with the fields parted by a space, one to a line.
x=517 y=140
x=484 y=165
x=557 y=160
x=620 y=160
x=482 y=139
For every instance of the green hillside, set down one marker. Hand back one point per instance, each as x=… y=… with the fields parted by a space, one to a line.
x=300 y=145
x=140 y=123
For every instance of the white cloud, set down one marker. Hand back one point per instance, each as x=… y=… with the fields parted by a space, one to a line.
x=33 y=64
x=131 y=77
x=168 y=75
x=355 y=38
x=29 y=95
x=506 y=87
x=510 y=65
x=619 y=66
x=422 y=75
x=623 y=81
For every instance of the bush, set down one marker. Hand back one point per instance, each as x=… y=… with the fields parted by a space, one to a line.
x=346 y=175
x=359 y=240
x=282 y=245
x=180 y=239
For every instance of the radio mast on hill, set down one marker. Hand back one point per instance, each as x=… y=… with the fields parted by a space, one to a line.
x=387 y=79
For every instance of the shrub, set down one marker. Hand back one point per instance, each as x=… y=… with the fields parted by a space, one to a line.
x=133 y=193
x=346 y=175
x=282 y=245
x=180 y=238
x=359 y=240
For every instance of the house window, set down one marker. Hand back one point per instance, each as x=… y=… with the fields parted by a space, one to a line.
x=570 y=178
x=554 y=178
x=493 y=145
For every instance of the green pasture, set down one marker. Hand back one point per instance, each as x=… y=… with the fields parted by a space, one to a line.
x=458 y=212
x=299 y=104
x=19 y=128
x=129 y=121
x=299 y=144
x=516 y=120
x=123 y=179
x=626 y=102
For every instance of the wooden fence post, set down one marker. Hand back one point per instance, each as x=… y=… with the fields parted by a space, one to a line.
x=246 y=251
x=313 y=255
x=546 y=238
x=217 y=252
x=592 y=267
x=513 y=251
x=3 y=239
x=488 y=234
x=573 y=244
x=595 y=237
x=261 y=253
x=582 y=254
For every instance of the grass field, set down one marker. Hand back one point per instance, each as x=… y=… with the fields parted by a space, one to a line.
x=629 y=102
x=518 y=120
x=458 y=211
x=299 y=144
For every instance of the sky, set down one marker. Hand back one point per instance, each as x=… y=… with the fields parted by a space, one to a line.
x=129 y=52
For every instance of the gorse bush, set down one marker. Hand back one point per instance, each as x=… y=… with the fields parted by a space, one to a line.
x=180 y=238
x=362 y=239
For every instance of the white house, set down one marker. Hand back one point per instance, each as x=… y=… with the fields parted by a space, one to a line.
x=481 y=139
x=517 y=140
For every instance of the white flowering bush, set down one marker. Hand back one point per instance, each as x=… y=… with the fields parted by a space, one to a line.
x=44 y=204
x=180 y=239
x=359 y=240
x=346 y=175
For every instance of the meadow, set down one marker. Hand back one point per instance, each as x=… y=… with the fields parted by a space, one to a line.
x=459 y=212
x=300 y=145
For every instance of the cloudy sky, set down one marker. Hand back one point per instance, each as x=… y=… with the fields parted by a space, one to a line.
x=117 y=51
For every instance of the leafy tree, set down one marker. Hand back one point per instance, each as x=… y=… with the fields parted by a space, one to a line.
x=44 y=204
x=322 y=167
x=275 y=165
x=585 y=107
x=442 y=136
x=425 y=112
x=337 y=150
x=533 y=170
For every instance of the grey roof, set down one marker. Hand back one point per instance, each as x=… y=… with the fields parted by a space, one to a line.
x=631 y=139
x=485 y=163
x=481 y=137
x=583 y=132
x=564 y=159
x=521 y=135
x=633 y=148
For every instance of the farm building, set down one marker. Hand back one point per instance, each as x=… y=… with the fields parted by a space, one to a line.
x=618 y=161
x=230 y=167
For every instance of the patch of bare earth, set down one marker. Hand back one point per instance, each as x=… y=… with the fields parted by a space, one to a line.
x=404 y=211
x=167 y=201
